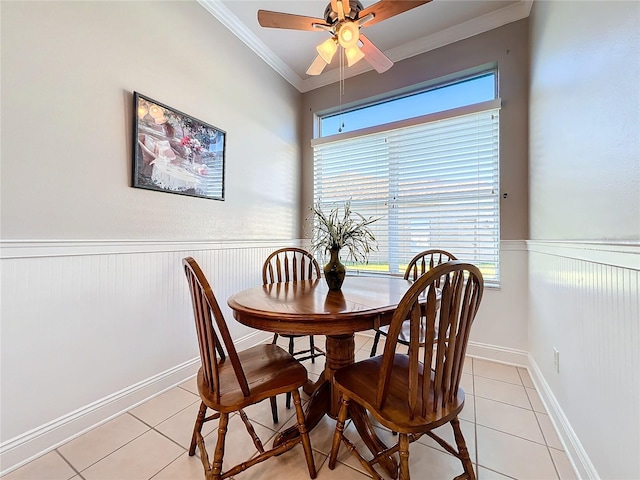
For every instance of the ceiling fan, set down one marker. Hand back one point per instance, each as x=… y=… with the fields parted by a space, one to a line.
x=343 y=19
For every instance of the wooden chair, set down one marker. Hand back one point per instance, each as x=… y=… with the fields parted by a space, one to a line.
x=228 y=383
x=421 y=263
x=418 y=391
x=285 y=265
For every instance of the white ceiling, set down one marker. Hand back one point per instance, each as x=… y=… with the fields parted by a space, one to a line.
x=429 y=26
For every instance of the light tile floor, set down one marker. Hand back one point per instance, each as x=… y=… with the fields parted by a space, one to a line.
x=507 y=430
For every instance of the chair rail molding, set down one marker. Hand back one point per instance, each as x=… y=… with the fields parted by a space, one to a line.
x=101 y=309
x=617 y=254
x=64 y=248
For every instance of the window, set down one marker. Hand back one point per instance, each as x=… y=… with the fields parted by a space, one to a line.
x=432 y=180
x=476 y=89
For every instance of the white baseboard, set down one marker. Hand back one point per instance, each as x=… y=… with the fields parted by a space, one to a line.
x=485 y=351
x=24 y=448
x=499 y=354
x=576 y=453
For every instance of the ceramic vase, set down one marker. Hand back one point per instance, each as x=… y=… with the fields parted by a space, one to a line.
x=334 y=270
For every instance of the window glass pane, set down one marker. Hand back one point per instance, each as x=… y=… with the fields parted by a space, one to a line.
x=467 y=92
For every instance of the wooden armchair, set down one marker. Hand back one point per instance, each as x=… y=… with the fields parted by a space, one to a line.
x=286 y=265
x=418 y=391
x=421 y=263
x=228 y=383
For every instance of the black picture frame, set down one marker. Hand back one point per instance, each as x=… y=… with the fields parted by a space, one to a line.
x=176 y=153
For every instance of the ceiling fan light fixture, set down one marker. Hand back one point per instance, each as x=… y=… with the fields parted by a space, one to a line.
x=354 y=55
x=348 y=34
x=327 y=49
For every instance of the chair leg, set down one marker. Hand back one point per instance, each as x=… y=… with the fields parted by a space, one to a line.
x=312 y=349
x=216 y=467
x=197 y=428
x=375 y=344
x=274 y=409
x=288 y=398
x=462 y=450
x=403 y=452
x=342 y=417
x=275 y=339
x=304 y=434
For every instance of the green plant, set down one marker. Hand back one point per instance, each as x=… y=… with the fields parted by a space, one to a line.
x=350 y=231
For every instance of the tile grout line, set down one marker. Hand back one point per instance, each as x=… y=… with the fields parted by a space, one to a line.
x=539 y=425
x=499 y=473
x=506 y=433
x=111 y=452
x=502 y=381
x=324 y=463
x=506 y=403
x=69 y=463
x=512 y=435
x=475 y=420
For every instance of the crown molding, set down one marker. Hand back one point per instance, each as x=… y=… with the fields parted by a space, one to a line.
x=484 y=23
x=239 y=29
x=470 y=28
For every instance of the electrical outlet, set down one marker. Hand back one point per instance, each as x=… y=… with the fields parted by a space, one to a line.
x=556 y=359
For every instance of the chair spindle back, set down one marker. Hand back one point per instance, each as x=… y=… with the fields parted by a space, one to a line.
x=206 y=309
x=425 y=261
x=435 y=377
x=289 y=264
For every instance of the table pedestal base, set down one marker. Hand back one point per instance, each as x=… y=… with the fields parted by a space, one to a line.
x=340 y=351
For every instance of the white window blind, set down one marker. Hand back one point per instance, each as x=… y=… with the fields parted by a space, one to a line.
x=434 y=185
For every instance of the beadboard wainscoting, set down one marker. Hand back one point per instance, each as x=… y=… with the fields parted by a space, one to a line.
x=585 y=302
x=93 y=328
x=90 y=329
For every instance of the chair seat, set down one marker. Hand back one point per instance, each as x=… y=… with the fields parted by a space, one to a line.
x=355 y=381
x=269 y=370
x=404 y=337
x=405 y=334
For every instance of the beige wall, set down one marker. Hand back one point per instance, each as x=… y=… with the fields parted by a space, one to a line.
x=102 y=319
x=585 y=121
x=68 y=73
x=506 y=47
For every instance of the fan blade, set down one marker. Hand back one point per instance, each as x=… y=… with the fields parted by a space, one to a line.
x=286 y=20
x=374 y=56
x=389 y=8
x=317 y=66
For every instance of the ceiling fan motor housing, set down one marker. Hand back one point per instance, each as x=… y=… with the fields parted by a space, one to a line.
x=331 y=17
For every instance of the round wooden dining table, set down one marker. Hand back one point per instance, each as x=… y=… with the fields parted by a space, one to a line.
x=308 y=307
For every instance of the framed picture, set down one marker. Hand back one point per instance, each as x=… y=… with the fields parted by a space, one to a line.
x=176 y=153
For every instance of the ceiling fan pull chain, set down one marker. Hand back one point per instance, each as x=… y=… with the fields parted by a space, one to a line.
x=341 y=89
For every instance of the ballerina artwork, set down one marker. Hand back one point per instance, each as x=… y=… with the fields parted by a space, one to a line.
x=177 y=153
